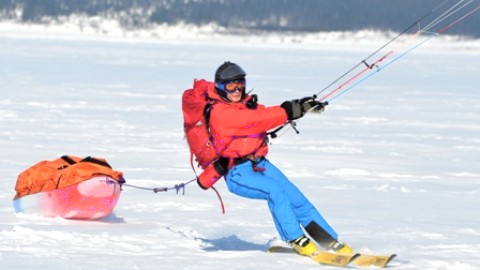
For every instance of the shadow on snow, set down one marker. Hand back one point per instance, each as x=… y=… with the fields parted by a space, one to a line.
x=231 y=243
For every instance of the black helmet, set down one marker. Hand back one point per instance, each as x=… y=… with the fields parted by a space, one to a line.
x=229 y=71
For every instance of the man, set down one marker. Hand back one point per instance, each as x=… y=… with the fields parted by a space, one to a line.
x=238 y=128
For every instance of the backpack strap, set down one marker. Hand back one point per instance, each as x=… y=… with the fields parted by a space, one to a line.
x=206 y=114
x=191 y=164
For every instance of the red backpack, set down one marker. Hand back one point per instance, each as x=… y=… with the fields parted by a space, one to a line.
x=196 y=107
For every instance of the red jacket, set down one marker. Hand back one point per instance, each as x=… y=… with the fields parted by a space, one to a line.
x=238 y=131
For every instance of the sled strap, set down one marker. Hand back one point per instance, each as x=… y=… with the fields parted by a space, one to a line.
x=96 y=161
x=69 y=160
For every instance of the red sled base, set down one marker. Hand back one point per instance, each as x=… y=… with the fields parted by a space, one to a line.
x=91 y=199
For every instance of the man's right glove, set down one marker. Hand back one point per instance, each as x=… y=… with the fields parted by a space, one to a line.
x=297 y=108
x=213 y=173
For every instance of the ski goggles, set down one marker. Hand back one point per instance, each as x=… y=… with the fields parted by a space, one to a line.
x=232 y=86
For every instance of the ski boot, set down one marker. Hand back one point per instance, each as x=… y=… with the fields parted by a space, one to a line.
x=339 y=247
x=304 y=246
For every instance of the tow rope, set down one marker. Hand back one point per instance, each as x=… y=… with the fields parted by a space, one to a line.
x=446 y=16
x=178 y=188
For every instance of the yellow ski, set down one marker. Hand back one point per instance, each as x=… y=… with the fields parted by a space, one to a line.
x=334 y=259
x=322 y=257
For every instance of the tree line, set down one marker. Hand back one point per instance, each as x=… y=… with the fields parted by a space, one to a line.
x=271 y=15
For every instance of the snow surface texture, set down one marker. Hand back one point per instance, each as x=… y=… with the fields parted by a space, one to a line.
x=394 y=165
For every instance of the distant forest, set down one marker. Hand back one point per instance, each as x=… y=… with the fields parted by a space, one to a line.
x=270 y=15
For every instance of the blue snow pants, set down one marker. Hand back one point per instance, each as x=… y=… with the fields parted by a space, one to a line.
x=290 y=209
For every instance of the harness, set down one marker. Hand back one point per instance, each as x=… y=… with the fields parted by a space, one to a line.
x=254 y=159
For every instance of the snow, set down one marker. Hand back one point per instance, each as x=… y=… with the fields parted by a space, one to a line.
x=393 y=164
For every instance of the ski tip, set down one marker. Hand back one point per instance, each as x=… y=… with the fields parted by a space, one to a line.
x=354 y=256
x=280 y=249
x=390 y=259
x=367 y=260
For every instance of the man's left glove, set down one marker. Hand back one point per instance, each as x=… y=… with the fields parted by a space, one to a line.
x=295 y=109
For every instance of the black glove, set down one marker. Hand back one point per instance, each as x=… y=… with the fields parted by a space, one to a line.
x=221 y=165
x=252 y=102
x=297 y=108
